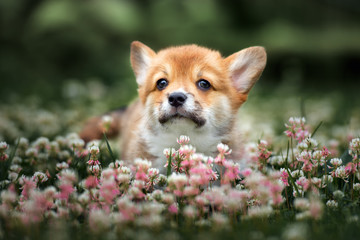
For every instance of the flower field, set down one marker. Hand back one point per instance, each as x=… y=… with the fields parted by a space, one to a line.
x=296 y=181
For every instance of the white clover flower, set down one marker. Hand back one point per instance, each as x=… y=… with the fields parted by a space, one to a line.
x=302 y=146
x=50 y=192
x=152 y=208
x=326 y=179
x=297 y=173
x=13 y=176
x=296 y=231
x=353 y=219
x=187 y=150
x=61 y=141
x=76 y=143
x=93 y=143
x=68 y=175
x=182 y=140
x=42 y=142
x=338 y=194
x=106 y=122
x=336 y=162
x=168 y=198
x=168 y=151
x=312 y=143
x=354 y=148
x=190 y=211
x=108 y=173
x=15 y=168
x=340 y=172
x=61 y=166
x=276 y=160
x=177 y=180
x=40 y=177
x=54 y=146
x=224 y=149
x=8 y=197
x=149 y=221
x=302 y=204
x=31 y=152
x=124 y=170
x=3 y=146
x=219 y=220
x=356 y=186
x=23 y=142
x=153 y=172
x=316 y=181
x=332 y=204
x=99 y=221
x=94 y=150
x=123 y=178
x=157 y=195
x=260 y=211
x=142 y=164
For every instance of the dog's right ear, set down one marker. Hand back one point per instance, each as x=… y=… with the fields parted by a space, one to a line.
x=140 y=57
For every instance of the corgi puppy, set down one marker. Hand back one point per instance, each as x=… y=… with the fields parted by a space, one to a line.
x=185 y=90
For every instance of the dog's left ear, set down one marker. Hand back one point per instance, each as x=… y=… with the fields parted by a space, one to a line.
x=245 y=67
x=140 y=57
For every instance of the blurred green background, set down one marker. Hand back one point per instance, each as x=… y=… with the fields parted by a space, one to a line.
x=47 y=46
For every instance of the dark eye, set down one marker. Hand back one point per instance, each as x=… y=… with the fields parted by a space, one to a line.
x=161 y=83
x=203 y=84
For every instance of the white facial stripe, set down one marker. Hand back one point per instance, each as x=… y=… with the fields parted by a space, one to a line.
x=189 y=104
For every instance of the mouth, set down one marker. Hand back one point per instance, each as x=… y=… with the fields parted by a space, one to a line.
x=196 y=118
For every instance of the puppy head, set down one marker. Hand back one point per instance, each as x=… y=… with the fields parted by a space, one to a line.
x=195 y=84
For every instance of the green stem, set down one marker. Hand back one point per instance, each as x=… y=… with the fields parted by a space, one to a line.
x=168 y=172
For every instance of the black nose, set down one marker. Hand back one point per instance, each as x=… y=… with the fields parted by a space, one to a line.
x=177 y=99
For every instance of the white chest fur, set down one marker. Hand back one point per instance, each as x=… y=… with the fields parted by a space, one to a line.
x=204 y=139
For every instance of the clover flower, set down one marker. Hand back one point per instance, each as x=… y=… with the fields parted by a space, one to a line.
x=183 y=140
x=169 y=151
x=3 y=147
x=302 y=204
x=354 y=149
x=106 y=122
x=93 y=163
x=340 y=172
x=177 y=183
x=187 y=150
x=260 y=211
x=284 y=176
x=297 y=129
x=99 y=221
x=190 y=212
x=263 y=153
x=336 y=162
x=39 y=177
x=109 y=190
x=332 y=204
x=42 y=143
x=316 y=208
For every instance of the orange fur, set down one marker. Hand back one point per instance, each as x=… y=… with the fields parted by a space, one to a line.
x=151 y=122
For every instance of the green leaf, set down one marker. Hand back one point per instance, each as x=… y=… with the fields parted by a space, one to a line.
x=109 y=148
x=318 y=126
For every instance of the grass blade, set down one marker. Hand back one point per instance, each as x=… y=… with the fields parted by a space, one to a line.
x=109 y=148
x=318 y=126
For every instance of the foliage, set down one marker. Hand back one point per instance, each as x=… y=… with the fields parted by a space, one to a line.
x=62 y=187
x=45 y=43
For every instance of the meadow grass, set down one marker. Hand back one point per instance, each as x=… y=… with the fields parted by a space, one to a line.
x=300 y=180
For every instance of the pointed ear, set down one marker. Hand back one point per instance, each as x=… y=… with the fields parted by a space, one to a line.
x=140 y=57
x=245 y=67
